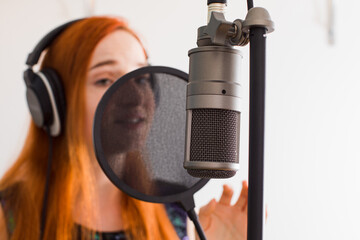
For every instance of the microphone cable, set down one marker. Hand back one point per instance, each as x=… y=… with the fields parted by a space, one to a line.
x=47 y=182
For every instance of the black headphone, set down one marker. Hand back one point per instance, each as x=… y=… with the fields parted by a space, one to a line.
x=44 y=91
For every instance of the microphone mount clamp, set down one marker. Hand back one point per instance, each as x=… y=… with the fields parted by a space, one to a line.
x=220 y=32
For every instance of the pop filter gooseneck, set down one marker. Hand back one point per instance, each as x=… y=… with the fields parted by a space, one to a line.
x=139 y=138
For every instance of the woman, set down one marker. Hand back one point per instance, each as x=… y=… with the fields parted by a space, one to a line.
x=83 y=204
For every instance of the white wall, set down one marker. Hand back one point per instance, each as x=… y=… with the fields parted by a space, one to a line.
x=312 y=113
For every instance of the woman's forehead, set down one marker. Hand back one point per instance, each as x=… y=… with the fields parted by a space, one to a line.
x=119 y=47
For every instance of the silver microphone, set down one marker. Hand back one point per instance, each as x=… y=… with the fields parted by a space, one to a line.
x=213 y=107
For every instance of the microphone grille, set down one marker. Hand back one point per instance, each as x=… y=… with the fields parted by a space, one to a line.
x=214 y=138
x=214 y=134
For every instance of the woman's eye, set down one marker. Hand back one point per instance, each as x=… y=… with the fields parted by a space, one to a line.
x=103 y=82
x=142 y=80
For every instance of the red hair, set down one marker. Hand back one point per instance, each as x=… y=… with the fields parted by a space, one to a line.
x=70 y=55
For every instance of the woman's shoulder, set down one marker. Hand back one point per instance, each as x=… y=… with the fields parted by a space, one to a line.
x=3 y=227
x=5 y=200
x=6 y=219
x=7 y=216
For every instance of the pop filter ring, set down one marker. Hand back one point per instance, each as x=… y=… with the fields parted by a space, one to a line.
x=184 y=198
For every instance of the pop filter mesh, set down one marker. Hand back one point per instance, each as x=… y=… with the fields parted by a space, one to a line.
x=142 y=134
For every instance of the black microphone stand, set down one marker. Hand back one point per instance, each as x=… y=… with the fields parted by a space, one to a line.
x=253 y=29
x=256 y=133
x=258 y=24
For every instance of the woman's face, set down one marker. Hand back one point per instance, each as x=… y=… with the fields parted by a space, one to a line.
x=115 y=55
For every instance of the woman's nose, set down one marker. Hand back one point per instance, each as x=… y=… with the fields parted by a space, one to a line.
x=130 y=94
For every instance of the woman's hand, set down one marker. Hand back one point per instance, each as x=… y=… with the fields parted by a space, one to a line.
x=220 y=220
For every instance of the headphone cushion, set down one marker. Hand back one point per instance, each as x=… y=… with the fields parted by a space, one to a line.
x=39 y=102
x=58 y=91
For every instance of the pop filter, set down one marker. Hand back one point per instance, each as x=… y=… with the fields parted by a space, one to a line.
x=139 y=137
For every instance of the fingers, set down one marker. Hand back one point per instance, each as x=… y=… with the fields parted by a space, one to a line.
x=205 y=213
x=226 y=195
x=242 y=201
x=208 y=208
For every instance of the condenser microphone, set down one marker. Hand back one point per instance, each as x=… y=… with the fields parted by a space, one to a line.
x=213 y=104
x=213 y=112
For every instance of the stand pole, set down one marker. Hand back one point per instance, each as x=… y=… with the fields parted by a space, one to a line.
x=256 y=133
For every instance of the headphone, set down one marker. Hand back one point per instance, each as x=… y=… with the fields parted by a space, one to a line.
x=44 y=91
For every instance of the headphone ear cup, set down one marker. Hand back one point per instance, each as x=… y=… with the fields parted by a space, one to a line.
x=46 y=99
x=58 y=92
x=39 y=102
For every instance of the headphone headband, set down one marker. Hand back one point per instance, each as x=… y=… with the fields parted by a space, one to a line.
x=45 y=42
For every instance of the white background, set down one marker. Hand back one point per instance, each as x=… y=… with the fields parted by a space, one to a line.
x=312 y=140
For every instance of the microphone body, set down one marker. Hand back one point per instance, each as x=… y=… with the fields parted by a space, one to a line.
x=213 y=107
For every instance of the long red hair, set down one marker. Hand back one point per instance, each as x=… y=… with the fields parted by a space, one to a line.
x=70 y=55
